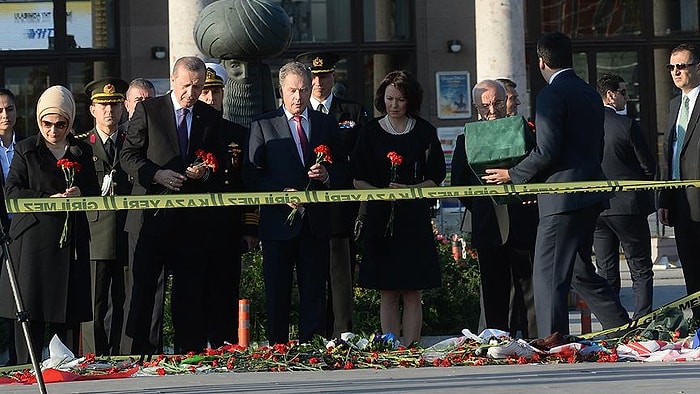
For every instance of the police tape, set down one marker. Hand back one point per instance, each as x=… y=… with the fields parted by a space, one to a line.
x=174 y=200
x=685 y=304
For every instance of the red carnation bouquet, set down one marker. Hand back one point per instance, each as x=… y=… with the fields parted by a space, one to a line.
x=323 y=155
x=205 y=159
x=69 y=168
x=395 y=159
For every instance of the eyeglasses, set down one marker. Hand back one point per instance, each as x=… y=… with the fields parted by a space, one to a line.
x=679 y=66
x=495 y=104
x=58 y=125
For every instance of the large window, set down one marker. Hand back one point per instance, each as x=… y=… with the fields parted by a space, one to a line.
x=592 y=18
x=61 y=42
x=318 y=20
x=372 y=37
x=32 y=24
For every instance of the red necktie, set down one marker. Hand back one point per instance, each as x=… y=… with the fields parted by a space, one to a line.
x=302 y=137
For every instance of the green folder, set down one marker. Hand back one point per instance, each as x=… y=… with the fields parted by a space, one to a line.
x=500 y=143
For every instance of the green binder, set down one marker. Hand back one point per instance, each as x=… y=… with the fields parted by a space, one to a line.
x=500 y=143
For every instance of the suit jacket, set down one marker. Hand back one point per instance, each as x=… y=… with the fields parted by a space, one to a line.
x=273 y=164
x=690 y=158
x=152 y=144
x=351 y=117
x=569 y=118
x=626 y=156
x=108 y=240
x=485 y=228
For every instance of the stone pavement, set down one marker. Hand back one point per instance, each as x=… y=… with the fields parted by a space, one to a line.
x=584 y=378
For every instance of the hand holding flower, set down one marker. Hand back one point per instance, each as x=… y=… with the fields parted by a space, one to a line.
x=69 y=168
x=317 y=172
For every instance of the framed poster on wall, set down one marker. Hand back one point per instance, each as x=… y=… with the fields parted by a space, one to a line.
x=453 y=95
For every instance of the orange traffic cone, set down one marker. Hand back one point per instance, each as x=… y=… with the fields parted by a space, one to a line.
x=243 y=322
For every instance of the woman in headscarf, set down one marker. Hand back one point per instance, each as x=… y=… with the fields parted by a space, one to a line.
x=50 y=250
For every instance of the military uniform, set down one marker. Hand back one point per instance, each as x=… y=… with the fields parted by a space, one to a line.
x=219 y=304
x=108 y=240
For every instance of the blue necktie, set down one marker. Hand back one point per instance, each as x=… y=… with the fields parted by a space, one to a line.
x=182 y=136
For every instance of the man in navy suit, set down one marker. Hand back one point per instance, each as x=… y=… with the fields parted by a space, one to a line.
x=681 y=158
x=163 y=136
x=569 y=118
x=626 y=155
x=351 y=117
x=280 y=157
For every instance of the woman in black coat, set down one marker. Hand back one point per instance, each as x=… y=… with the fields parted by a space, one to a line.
x=50 y=253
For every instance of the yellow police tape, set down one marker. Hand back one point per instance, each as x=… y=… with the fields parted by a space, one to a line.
x=684 y=304
x=166 y=201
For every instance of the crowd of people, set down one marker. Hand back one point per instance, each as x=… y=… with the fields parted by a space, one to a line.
x=106 y=269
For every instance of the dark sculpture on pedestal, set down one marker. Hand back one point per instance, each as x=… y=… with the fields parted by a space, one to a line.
x=241 y=33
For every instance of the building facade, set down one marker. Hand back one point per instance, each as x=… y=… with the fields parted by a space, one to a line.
x=71 y=42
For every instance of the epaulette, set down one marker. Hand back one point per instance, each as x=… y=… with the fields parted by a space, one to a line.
x=251 y=218
x=84 y=135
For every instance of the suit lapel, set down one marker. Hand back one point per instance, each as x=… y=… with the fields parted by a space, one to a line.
x=285 y=132
x=197 y=131
x=167 y=114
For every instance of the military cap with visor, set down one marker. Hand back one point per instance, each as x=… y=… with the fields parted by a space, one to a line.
x=107 y=90
x=319 y=62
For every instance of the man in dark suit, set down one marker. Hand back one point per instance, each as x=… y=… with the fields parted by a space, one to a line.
x=108 y=240
x=569 y=118
x=625 y=156
x=280 y=157
x=237 y=226
x=681 y=159
x=503 y=235
x=350 y=116
x=159 y=152
x=141 y=89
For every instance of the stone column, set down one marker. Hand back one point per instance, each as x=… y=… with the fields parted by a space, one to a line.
x=182 y=15
x=500 y=44
x=384 y=30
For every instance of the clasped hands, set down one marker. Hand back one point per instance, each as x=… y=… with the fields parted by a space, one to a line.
x=174 y=181
x=317 y=172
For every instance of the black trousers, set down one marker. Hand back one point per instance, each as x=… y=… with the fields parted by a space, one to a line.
x=144 y=323
x=632 y=231
x=340 y=294
x=563 y=260
x=506 y=287
x=687 y=234
x=309 y=255
x=109 y=294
